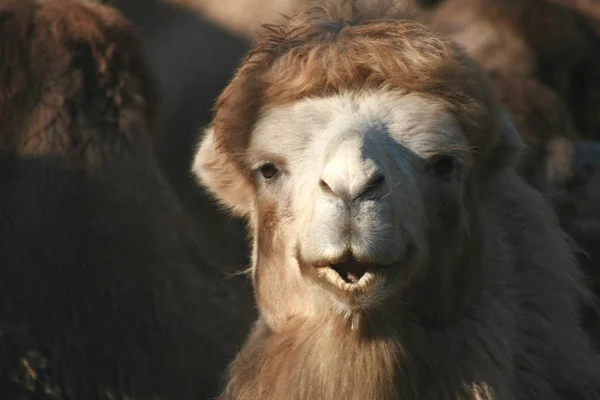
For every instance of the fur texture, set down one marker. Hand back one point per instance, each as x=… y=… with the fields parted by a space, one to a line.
x=105 y=292
x=565 y=168
x=541 y=118
x=543 y=58
x=188 y=86
x=483 y=303
x=532 y=38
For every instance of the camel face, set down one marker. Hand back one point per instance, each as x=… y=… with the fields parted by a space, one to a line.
x=357 y=172
x=349 y=183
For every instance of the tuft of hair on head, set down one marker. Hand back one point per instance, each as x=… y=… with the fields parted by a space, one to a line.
x=350 y=12
x=361 y=11
x=73 y=79
x=354 y=45
x=350 y=46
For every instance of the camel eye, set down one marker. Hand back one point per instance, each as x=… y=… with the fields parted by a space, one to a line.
x=268 y=170
x=444 y=166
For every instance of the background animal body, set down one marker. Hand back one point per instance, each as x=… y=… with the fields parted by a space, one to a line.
x=107 y=290
x=563 y=166
x=534 y=38
x=317 y=327
x=192 y=60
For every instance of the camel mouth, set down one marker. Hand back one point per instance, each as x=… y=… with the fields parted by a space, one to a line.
x=352 y=271
x=350 y=275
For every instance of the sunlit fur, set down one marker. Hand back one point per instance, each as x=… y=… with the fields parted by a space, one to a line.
x=475 y=292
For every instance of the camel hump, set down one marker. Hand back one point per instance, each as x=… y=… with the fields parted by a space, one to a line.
x=73 y=79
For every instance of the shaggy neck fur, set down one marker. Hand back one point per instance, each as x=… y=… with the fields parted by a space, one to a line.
x=306 y=342
x=334 y=358
x=326 y=358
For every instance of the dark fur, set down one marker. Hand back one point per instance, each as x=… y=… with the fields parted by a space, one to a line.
x=190 y=76
x=540 y=117
x=515 y=333
x=576 y=198
x=545 y=60
x=105 y=292
x=563 y=167
x=590 y=9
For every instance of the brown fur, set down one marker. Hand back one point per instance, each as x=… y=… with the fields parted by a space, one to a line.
x=48 y=96
x=105 y=293
x=303 y=63
x=532 y=38
x=516 y=334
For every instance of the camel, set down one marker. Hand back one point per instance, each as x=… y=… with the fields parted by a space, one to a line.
x=532 y=38
x=106 y=291
x=396 y=253
x=190 y=77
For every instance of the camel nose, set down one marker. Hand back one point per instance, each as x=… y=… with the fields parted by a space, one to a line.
x=351 y=170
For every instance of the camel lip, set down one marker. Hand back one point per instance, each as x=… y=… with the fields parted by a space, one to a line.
x=352 y=270
x=360 y=279
x=365 y=273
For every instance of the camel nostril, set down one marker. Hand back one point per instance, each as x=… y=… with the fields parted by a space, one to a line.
x=325 y=187
x=348 y=189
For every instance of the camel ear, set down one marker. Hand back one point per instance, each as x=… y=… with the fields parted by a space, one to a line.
x=222 y=177
x=507 y=150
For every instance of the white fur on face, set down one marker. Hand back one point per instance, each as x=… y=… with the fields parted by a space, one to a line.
x=354 y=180
x=330 y=149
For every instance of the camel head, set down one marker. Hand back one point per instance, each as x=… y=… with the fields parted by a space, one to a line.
x=356 y=150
